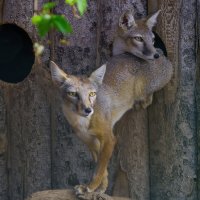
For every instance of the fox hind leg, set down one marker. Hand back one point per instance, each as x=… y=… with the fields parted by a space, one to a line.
x=143 y=103
x=147 y=101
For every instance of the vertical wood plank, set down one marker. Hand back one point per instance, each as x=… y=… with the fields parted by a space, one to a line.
x=1 y=10
x=172 y=124
x=198 y=94
x=3 y=148
x=28 y=118
x=3 y=136
x=29 y=149
x=132 y=134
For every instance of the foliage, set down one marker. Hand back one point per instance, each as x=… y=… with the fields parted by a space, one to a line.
x=81 y=5
x=46 y=20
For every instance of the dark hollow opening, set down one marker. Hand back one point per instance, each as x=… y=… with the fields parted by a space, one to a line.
x=16 y=53
x=160 y=44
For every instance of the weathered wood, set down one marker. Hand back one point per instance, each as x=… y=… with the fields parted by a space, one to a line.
x=133 y=152
x=1 y=11
x=198 y=124
x=29 y=152
x=3 y=136
x=197 y=95
x=69 y=195
x=172 y=126
x=3 y=149
x=28 y=119
x=121 y=186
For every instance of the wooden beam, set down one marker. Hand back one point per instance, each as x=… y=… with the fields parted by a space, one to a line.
x=69 y=195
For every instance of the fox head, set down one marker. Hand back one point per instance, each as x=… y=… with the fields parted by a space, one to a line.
x=78 y=93
x=136 y=36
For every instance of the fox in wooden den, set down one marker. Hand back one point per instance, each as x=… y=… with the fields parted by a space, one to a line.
x=93 y=105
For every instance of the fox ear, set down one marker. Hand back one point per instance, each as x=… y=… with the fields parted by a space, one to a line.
x=151 y=22
x=98 y=75
x=58 y=75
x=126 y=21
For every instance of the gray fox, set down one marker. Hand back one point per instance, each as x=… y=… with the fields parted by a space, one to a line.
x=93 y=105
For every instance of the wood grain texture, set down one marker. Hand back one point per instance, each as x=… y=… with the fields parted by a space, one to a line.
x=133 y=152
x=68 y=195
x=3 y=148
x=172 y=124
x=28 y=121
x=29 y=141
x=1 y=10
x=168 y=28
x=3 y=136
x=198 y=96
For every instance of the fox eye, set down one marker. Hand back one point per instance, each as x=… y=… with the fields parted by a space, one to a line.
x=72 y=94
x=138 y=38
x=92 y=94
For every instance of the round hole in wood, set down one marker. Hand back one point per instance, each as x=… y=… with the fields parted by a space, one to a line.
x=16 y=53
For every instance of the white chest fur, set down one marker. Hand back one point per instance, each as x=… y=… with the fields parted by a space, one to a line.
x=80 y=124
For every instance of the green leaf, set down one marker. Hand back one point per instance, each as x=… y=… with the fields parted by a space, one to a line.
x=49 y=5
x=61 y=24
x=36 y=19
x=82 y=6
x=44 y=25
x=70 y=2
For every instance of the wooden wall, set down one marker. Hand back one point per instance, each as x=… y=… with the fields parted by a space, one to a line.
x=38 y=149
x=172 y=117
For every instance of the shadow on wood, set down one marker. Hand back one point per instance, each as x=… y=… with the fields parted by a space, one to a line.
x=69 y=195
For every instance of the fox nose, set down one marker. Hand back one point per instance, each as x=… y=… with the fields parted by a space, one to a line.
x=88 y=110
x=156 y=56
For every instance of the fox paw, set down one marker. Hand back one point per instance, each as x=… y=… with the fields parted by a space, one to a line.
x=81 y=189
x=101 y=189
x=94 y=196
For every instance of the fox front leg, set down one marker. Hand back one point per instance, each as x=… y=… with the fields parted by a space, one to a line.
x=94 y=146
x=100 y=178
x=103 y=160
x=104 y=184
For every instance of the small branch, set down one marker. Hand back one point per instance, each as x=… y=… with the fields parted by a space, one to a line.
x=35 y=6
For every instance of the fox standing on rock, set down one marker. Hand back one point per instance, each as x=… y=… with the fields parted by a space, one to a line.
x=93 y=105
